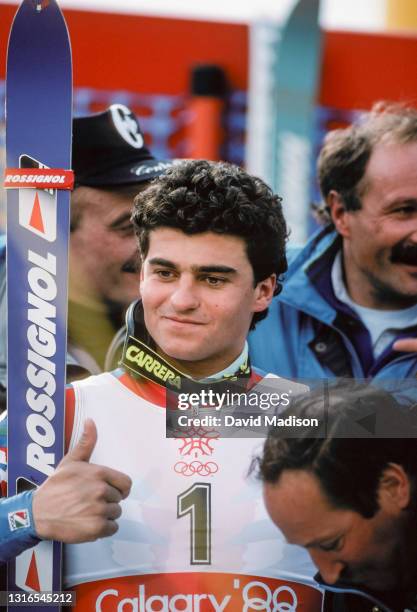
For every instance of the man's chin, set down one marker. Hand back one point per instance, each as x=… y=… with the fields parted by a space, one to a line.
x=399 y=294
x=183 y=354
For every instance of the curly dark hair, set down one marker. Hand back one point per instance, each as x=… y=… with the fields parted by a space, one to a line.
x=348 y=464
x=199 y=196
x=345 y=154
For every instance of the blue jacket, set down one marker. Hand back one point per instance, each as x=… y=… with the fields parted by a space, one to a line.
x=17 y=528
x=310 y=334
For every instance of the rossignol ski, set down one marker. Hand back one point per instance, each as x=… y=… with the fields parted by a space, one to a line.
x=38 y=144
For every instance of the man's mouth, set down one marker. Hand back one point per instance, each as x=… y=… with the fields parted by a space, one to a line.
x=365 y=578
x=182 y=321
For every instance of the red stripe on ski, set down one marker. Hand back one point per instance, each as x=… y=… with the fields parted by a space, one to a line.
x=32 y=579
x=36 y=220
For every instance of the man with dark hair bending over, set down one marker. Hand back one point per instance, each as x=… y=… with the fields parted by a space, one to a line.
x=349 y=497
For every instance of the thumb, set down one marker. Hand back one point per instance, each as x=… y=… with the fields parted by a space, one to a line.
x=83 y=450
x=406 y=345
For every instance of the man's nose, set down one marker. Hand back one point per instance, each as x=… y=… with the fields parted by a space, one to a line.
x=185 y=295
x=329 y=568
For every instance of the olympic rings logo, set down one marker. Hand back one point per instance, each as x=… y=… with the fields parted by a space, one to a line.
x=271 y=601
x=196 y=467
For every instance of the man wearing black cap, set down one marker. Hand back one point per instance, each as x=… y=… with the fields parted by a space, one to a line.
x=111 y=165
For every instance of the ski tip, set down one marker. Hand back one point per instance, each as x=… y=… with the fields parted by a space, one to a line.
x=40 y=5
x=37 y=5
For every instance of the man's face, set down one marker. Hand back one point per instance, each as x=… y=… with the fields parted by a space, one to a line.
x=380 y=239
x=342 y=543
x=199 y=298
x=103 y=248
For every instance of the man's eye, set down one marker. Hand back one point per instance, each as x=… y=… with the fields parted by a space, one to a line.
x=332 y=546
x=214 y=281
x=164 y=274
x=125 y=230
x=406 y=210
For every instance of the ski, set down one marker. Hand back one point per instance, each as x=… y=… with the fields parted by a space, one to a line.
x=284 y=76
x=297 y=77
x=38 y=148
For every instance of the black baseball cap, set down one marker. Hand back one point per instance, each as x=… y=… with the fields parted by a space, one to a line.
x=108 y=149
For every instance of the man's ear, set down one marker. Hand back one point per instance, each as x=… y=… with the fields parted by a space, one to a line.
x=394 y=490
x=338 y=213
x=264 y=292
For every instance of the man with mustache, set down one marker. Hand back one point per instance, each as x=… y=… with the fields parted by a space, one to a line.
x=350 y=501
x=350 y=296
